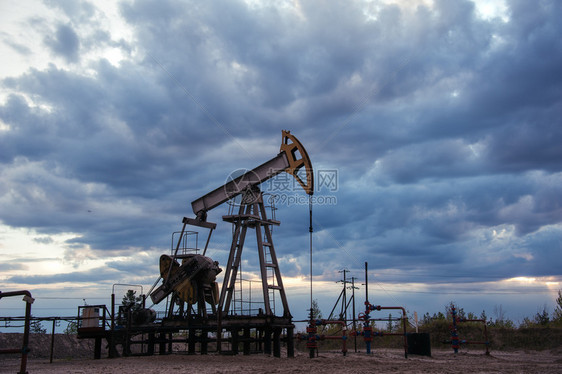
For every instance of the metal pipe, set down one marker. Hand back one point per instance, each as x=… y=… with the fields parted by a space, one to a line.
x=128 y=285
x=354 y=326
x=366 y=327
x=176 y=252
x=455 y=341
x=25 y=345
x=312 y=337
x=344 y=334
x=487 y=340
x=366 y=284
x=207 y=243
x=344 y=301
x=112 y=312
x=404 y=321
x=310 y=230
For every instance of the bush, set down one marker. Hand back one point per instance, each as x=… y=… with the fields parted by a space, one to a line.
x=36 y=327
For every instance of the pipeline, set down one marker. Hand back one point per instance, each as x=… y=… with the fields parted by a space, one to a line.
x=456 y=341
x=25 y=345
x=312 y=337
x=368 y=330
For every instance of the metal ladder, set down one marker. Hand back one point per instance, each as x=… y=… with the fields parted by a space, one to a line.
x=253 y=215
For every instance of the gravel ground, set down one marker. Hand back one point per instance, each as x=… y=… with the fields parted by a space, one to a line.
x=382 y=361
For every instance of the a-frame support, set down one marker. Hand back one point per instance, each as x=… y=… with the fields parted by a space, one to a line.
x=252 y=214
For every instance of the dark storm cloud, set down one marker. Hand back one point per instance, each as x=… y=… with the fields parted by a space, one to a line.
x=94 y=275
x=77 y=10
x=444 y=129
x=64 y=42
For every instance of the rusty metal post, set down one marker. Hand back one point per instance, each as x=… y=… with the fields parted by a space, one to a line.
x=52 y=340
x=219 y=330
x=366 y=284
x=247 y=337
x=25 y=347
x=234 y=335
x=112 y=311
x=277 y=342
x=170 y=342
x=162 y=343
x=290 y=343
x=367 y=329
x=487 y=342
x=25 y=344
x=151 y=341
x=191 y=341
x=267 y=341
x=354 y=320
x=204 y=341
x=405 y=320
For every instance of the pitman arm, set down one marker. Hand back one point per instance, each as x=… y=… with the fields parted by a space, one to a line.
x=291 y=158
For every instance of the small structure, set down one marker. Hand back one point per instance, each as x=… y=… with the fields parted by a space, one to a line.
x=312 y=336
x=367 y=332
x=456 y=342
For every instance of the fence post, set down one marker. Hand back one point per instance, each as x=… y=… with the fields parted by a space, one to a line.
x=52 y=340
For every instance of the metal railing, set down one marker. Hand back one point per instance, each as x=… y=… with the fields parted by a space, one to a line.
x=93 y=317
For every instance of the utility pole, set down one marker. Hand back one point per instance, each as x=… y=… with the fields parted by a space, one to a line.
x=353 y=308
x=344 y=301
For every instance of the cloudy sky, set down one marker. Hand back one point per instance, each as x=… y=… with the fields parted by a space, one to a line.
x=438 y=122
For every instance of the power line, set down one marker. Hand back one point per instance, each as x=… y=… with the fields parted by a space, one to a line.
x=70 y=298
x=476 y=292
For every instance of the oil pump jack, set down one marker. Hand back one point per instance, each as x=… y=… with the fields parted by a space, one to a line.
x=194 y=280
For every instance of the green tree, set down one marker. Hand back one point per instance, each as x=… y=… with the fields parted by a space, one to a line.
x=439 y=316
x=316 y=313
x=527 y=323
x=37 y=328
x=483 y=315
x=449 y=310
x=71 y=328
x=558 y=310
x=131 y=300
x=542 y=318
x=426 y=319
